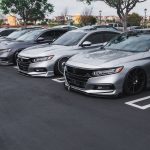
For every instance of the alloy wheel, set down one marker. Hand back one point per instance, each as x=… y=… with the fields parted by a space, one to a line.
x=135 y=82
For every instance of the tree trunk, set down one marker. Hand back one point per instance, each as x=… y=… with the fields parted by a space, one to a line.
x=124 y=21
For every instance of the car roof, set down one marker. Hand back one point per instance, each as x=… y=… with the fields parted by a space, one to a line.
x=5 y=29
x=65 y=26
x=45 y=30
x=94 y=30
x=146 y=29
x=53 y=29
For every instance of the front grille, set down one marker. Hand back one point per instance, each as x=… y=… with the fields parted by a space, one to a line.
x=23 y=63
x=77 y=77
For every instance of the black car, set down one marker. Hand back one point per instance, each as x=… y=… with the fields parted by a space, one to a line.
x=10 y=49
x=6 y=31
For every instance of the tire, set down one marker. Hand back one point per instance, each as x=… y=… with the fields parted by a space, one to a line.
x=135 y=82
x=15 y=57
x=59 y=66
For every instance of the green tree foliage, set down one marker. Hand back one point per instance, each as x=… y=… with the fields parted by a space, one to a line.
x=32 y=10
x=134 y=19
x=87 y=20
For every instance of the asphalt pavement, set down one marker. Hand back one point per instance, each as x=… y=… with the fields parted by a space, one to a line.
x=39 y=114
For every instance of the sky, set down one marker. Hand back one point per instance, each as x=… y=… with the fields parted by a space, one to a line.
x=75 y=7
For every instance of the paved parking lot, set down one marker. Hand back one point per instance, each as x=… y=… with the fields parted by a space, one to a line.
x=39 y=114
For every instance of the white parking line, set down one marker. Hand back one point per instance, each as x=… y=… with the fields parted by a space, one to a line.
x=133 y=103
x=59 y=80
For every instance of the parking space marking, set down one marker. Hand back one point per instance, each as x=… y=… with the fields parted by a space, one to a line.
x=133 y=103
x=59 y=80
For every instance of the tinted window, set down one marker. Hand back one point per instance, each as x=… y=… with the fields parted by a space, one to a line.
x=17 y=34
x=59 y=33
x=109 y=35
x=95 y=38
x=131 y=43
x=70 y=38
x=31 y=36
x=48 y=36
x=6 y=32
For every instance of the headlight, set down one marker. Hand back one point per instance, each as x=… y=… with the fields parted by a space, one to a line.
x=107 y=71
x=5 y=50
x=42 y=58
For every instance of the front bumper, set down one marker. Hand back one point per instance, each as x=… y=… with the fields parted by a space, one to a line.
x=115 y=82
x=39 y=69
x=5 y=61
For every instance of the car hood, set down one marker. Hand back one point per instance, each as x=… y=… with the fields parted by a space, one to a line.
x=105 y=58
x=12 y=44
x=41 y=51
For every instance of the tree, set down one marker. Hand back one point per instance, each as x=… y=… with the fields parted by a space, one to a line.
x=64 y=14
x=86 y=17
x=28 y=10
x=134 y=19
x=87 y=20
x=123 y=7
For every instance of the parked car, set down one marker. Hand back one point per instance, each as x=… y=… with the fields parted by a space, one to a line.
x=131 y=28
x=16 y=34
x=122 y=67
x=146 y=30
x=118 y=26
x=10 y=49
x=50 y=60
x=6 y=31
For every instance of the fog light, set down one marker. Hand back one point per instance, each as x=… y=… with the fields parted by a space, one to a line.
x=104 y=87
x=40 y=70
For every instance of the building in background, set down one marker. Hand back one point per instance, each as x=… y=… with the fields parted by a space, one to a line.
x=11 y=20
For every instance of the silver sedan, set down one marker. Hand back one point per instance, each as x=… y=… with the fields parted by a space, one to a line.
x=122 y=67
x=48 y=60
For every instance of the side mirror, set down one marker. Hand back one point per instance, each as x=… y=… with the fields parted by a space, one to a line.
x=86 y=44
x=40 y=39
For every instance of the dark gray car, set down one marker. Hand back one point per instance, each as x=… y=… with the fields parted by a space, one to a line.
x=10 y=49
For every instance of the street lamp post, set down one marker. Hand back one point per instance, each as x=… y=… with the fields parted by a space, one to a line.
x=100 y=16
x=145 y=10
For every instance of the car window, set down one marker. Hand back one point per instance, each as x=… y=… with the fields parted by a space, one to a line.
x=95 y=38
x=6 y=32
x=31 y=36
x=17 y=34
x=109 y=35
x=130 y=43
x=58 y=33
x=48 y=35
x=70 y=38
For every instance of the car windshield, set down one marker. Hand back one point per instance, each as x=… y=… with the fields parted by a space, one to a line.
x=70 y=39
x=16 y=34
x=29 y=36
x=130 y=42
